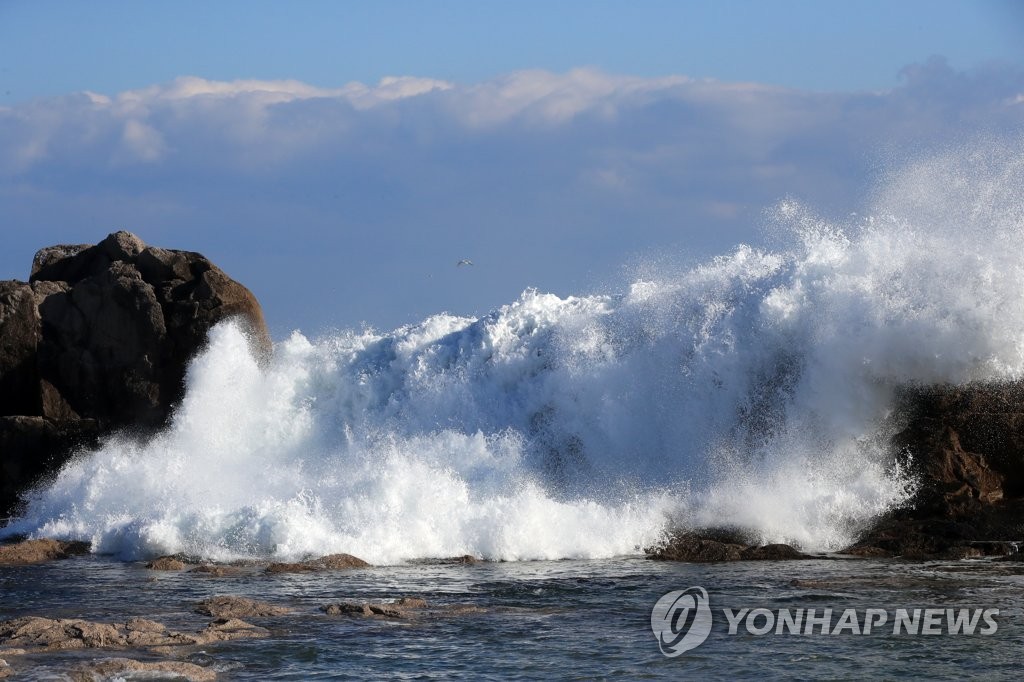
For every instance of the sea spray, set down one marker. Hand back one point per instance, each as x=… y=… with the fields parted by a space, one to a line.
x=756 y=390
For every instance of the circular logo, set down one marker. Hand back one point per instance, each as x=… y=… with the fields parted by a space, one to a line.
x=681 y=620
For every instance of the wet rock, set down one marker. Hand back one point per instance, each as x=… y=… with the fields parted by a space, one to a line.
x=331 y=562
x=227 y=629
x=697 y=549
x=347 y=609
x=32 y=633
x=965 y=445
x=114 y=668
x=102 y=335
x=776 y=552
x=39 y=551
x=406 y=607
x=167 y=563
x=232 y=606
x=716 y=545
x=1016 y=556
x=19 y=339
x=32 y=448
x=412 y=603
x=218 y=570
x=44 y=633
x=140 y=632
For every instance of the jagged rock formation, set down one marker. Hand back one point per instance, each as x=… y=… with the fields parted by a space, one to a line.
x=966 y=446
x=100 y=338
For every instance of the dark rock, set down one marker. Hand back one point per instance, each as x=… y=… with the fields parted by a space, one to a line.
x=100 y=339
x=39 y=551
x=33 y=447
x=777 y=552
x=719 y=544
x=231 y=606
x=50 y=255
x=965 y=444
x=19 y=338
x=697 y=549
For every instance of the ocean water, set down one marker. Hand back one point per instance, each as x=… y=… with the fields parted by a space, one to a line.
x=560 y=436
x=570 y=619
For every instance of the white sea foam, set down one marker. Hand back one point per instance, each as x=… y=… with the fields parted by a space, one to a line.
x=755 y=390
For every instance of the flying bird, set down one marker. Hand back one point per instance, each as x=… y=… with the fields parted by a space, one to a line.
x=464 y=261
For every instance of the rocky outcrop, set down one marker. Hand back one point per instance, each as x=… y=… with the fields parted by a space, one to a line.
x=39 y=551
x=715 y=546
x=167 y=563
x=33 y=634
x=331 y=562
x=965 y=445
x=99 y=338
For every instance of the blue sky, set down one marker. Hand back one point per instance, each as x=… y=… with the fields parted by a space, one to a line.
x=51 y=47
x=554 y=143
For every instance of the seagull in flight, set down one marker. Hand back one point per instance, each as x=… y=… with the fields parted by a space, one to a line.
x=464 y=261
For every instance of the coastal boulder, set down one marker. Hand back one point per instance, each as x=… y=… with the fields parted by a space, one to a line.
x=965 y=446
x=99 y=338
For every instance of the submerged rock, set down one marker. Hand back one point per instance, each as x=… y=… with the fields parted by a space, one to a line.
x=39 y=551
x=400 y=609
x=331 y=562
x=227 y=629
x=99 y=338
x=114 y=668
x=218 y=570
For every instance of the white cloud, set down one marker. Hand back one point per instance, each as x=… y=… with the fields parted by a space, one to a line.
x=532 y=170
x=142 y=142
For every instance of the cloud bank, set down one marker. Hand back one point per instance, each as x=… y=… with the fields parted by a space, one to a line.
x=354 y=203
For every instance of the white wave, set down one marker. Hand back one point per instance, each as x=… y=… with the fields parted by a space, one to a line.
x=755 y=390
